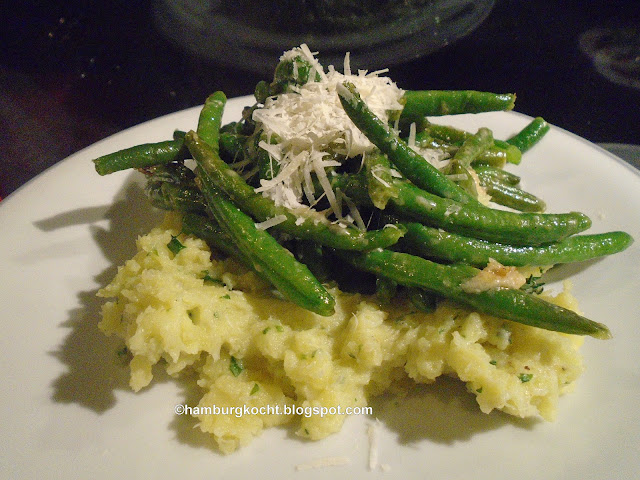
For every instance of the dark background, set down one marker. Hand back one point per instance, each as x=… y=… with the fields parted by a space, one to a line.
x=72 y=73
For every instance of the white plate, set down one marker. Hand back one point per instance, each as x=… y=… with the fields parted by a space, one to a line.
x=67 y=411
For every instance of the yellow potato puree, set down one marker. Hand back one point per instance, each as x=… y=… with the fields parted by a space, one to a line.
x=189 y=312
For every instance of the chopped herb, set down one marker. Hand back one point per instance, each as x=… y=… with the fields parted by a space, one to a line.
x=493 y=362
x=352 y=356
x=174 y=245
x=525 y=377
x=264 y=332
x=123 y=351
x=279 y=328
x=306 y=431
x=479 y=390
x=209 y=279
x=226 y=297
x=533 y=285
x=255 y=389
x=235 y=366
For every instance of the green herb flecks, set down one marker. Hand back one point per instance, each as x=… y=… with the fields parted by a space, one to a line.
x=175 y=245
x=525 y=377
x=235 y=366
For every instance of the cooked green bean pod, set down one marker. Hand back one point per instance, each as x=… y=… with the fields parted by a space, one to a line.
x=470 y=149
x=267 y=256
x=411 y=164
x=503 y=176
x=530 y=135
x=454 y=136
x=449 y=282
x=475 y=221
x=423 y=103
x=438 y=244
x=141 y=156
x=202 y=226
x=503 y=191
x=210 y=119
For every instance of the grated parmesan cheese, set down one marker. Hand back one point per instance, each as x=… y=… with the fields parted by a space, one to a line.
x=323 y=462
x=372 y=433
x=312 y=127
x=493 y=276
x=270 y=222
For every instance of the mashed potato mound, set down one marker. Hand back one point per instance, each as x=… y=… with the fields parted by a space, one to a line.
x=193 y=312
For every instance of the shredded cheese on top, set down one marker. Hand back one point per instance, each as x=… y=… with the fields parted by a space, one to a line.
x=311 y=127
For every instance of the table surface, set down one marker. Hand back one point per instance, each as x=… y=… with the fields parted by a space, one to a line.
x=71 y=75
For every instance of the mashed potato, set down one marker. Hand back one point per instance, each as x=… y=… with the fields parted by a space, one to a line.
x=191 y=312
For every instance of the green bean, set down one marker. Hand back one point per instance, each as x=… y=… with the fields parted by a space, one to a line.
x=422 y=300
x=304 y=224
x=411 y=164
x=169 y=196
x=179 y=134
x=530 y=134
x=470 y=149
x=437 y=244
x=210 y=119
x=454 y=136
x=501 y=175
x=203 y=227
x=502 y=187
x=494 y=155
x=510 y=195
x=475 y=221
x=423 y=103
x=232 y=143
x=448 y=281
x=292 y=279
x=141 y=156
x=386 y=290
x=288 y=73
x=473 y=146
x=379 y=179
x=312 y=255
x=486 y=223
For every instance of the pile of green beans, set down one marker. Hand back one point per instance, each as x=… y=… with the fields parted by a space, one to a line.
x=428 y=231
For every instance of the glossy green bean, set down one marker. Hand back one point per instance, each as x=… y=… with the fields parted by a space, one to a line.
x=292 y=278
x=448 y=281
x=501 y=175
x=169 y=196
x=473 y=146
x=141 y=156
x=476 y=221
x=530 y=134
x=470 y=149
x=201 y=226
x=411 y=164
x=511 y=196
x=438 y=244
x=503 y=188
x=379 y=179
x=454 y=136
x=210 y=119
x=494 y=155
x=423 y=103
